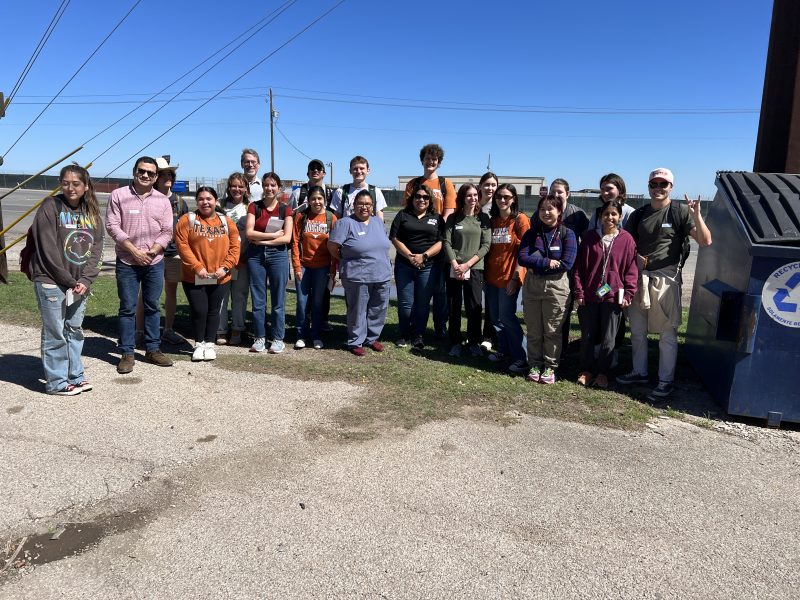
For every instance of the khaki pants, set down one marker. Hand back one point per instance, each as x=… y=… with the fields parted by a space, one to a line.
x=544 y=301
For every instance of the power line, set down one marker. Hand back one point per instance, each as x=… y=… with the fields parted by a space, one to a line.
x=482 y=105
x=283 y=135
x=263 y=22
x=96 y=50
x=242 y=76
x=39 y=47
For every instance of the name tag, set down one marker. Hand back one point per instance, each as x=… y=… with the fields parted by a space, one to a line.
x=134 y=211
x=666 y=225
x=459 y=227
x=362 y=233
x=70 y=225
x=555 y=248
x=431 y=221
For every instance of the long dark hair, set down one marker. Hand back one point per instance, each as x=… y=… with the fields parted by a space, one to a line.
x=89 y=198
x=617 y=182
x=461 y=197
x=495 y=210
x=410 y=204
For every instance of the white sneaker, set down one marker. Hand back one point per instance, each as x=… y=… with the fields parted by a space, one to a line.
x=211 y=351
x=258 y=345
x=318 y=345
x=300 y=344
x=199 y=352
x=276 y=347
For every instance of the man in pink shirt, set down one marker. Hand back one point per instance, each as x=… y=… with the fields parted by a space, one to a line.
x=139 y=220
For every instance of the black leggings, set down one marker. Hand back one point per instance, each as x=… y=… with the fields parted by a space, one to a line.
x=471 y=290
x=204 y=302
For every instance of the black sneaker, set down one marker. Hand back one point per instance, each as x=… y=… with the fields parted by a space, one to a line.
x=662 y=390
x=632 y=377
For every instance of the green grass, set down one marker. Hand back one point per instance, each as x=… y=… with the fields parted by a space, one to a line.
x=402 y=388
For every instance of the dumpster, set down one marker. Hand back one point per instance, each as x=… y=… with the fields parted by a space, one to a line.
x=743 y=332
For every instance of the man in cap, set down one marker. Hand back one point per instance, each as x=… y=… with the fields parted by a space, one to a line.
x=661 y=229
x=316 y=176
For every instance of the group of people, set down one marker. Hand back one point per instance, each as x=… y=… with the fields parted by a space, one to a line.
x=472 y=247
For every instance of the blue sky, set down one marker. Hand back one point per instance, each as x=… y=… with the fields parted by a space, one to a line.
x=569 y=89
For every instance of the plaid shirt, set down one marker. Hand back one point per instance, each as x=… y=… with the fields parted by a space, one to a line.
x=539 y=246
x=144 y=221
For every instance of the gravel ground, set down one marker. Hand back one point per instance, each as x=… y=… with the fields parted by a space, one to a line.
x=211 y=484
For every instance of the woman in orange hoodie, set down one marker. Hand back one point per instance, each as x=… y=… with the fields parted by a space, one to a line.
x=313 y=266
x=208 y=244
x=503 y=276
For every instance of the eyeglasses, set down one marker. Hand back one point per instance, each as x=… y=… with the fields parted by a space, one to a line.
x=654 y=185
x=249 y=162
x=504 y=197
x=425 y=197
x=145 y=173
x=364 y=206
x=315 y=169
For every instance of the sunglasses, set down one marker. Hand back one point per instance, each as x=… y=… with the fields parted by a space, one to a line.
x=504 y=197
x=653 y=185
x=145 y=173
x=422 y=197
x=316 y=170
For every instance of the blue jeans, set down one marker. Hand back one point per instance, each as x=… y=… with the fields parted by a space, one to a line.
x=151 y=279
x=503 y=311
x=415 y=288
x=311 y=288
x=266 y=262
x=62 y=336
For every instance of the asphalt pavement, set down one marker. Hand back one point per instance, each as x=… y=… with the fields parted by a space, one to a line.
x=196 y=482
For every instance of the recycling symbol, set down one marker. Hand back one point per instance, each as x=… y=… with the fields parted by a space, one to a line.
x=780 y=297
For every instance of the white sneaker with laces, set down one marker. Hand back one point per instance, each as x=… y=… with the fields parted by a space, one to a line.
x=211 y=352
x=199 y=352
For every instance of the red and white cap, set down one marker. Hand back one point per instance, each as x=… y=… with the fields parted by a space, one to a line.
x=661 y=173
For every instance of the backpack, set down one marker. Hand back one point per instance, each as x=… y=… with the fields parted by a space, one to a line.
x=302 y=218
x=418 y=181
x=304 y=195
x=674 y=215
x=222 y=217
x=281 y=210
x=372 y=194
x=26 y=256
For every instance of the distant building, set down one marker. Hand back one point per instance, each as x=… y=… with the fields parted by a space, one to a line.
x=526 y=186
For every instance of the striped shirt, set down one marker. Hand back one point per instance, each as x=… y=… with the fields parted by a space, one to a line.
x=539 y=246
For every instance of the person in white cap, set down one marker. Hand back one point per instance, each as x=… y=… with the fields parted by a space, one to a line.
x=661 y=230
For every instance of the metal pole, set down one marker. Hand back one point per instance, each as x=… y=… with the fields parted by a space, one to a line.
x=53 y=192
x=778 y=143
x=271 y=133
x=47 y=168
x=330 y=164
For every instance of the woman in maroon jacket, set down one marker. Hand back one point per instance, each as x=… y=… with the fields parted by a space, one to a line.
x=606 y=278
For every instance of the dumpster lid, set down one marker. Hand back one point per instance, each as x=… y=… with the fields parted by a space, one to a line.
x=767 y=203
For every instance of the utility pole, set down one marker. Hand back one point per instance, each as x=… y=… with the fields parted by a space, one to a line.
x=273 y=114
x=778 y=143
x=330 y=164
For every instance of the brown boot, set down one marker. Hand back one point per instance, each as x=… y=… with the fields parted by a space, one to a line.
x=126 y=363
x=157 y=357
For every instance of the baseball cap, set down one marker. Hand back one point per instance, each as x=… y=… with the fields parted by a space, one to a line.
x=316 y=163
x=661 y=173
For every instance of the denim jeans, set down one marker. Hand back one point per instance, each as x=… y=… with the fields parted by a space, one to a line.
x=415 y=289
x=503 y=311
x=62 y=336
x=311 y=290
x=151 y=280
x=266 y=262
x=237 y=292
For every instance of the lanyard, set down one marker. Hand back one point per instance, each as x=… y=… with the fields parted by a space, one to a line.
x=607 y=255
x=555 y=237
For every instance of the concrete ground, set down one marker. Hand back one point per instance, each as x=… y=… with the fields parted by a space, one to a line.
x=195 y=482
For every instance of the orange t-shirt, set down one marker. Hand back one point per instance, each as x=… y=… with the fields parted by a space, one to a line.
x=310 y=246
x=205 y=245
x=500 y=263
x=439 y=204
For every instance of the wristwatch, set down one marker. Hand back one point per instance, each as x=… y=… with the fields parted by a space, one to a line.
x=226 y=269
x=425 y=256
